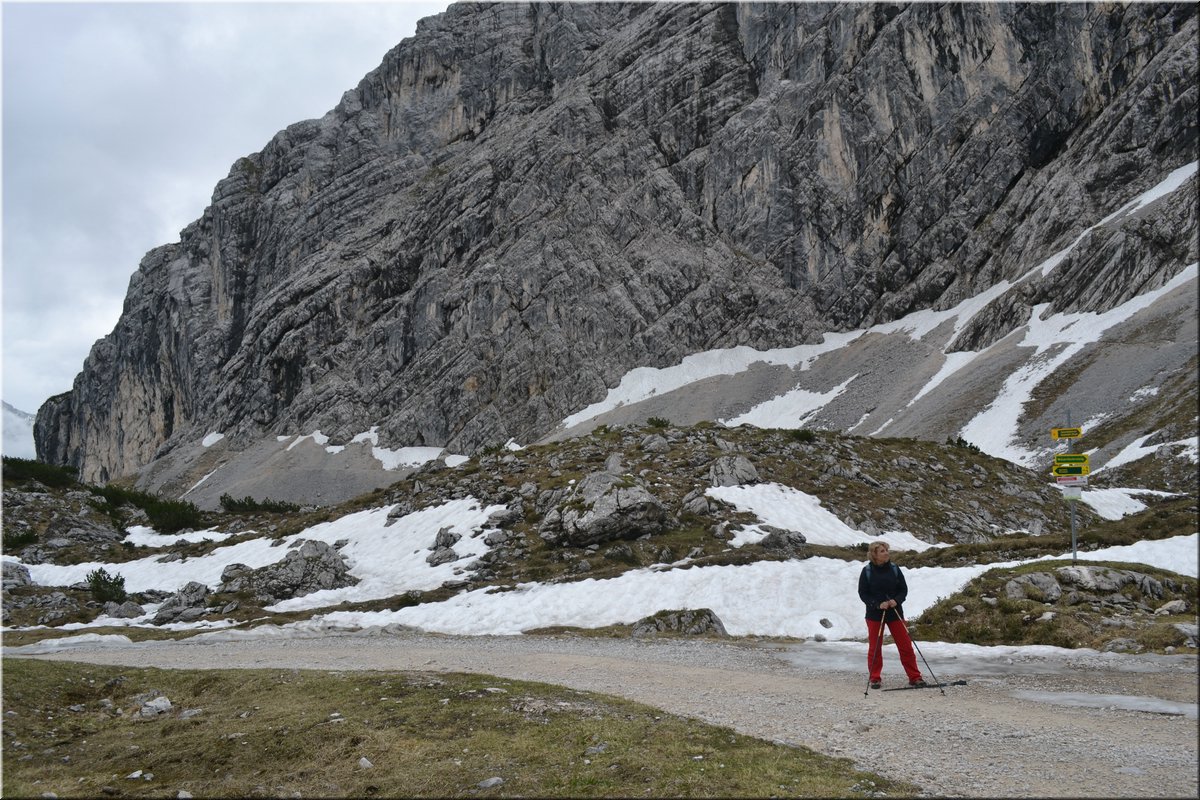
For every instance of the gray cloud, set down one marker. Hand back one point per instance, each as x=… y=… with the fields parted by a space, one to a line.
x=119 y=119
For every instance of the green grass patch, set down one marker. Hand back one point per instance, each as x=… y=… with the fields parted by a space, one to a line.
x=73 y=729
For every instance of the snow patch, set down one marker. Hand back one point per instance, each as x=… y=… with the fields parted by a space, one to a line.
x=791 y=409
x=317 y=437
x=645 y=382
x=141 y=536
x=782 y=506
x=1056 y=340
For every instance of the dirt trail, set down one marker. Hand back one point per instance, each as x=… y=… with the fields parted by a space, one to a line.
x=984 y=739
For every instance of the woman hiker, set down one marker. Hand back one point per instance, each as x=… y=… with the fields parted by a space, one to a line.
x=882 y=589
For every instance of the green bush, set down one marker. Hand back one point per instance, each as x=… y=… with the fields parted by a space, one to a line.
x=963 y=443
x=804 y=436
x=107 y=588
x=16 y=539
x=26 y=469
x=166 y=516
x=658 y=422
x=248 y=505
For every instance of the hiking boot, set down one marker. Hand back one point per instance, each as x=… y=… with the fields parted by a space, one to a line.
x=917 y=684
x=876 y=685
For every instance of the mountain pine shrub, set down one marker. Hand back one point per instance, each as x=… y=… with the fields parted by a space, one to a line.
x=106 y=588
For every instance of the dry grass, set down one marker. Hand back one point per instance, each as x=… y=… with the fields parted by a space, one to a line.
x=73 y=730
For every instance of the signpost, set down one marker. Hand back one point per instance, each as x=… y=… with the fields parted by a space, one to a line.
x=1070 y=471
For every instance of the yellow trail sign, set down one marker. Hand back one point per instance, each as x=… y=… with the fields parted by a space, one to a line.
x=1062 y=470
x=1072 y=458
x=1066 y=433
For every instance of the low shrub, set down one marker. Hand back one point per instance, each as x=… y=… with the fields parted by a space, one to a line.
x=962 y=443
x=106 y=588
x=26 y=469
x=16 y=539
x=248 y=505
x=166 y=516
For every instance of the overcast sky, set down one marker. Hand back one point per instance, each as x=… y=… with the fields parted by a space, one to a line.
x=118 y=121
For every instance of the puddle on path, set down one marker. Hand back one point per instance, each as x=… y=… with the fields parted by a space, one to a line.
x=1151 y=705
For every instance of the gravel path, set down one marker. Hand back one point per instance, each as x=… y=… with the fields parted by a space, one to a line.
x=989 y=738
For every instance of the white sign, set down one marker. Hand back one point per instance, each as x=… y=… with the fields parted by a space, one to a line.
x=1072 y=480
x=1072 y=492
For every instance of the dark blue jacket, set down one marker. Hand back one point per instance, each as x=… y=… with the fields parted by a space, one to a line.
x=877 y=584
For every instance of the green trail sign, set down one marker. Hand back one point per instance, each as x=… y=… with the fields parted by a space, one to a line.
x=1071 y=458
x=1066 y=433
x=1061 y=470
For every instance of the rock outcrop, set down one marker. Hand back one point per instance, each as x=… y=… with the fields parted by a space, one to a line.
x=689 y=622
x=310 y=567
x=523 y=202
x=604 y=508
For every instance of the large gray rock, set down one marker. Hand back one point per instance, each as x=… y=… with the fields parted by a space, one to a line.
x=1043 y=583
x=186 y=605
x=490 y=230
x=605 y=508
x=311 y=567
x=127 y=610
x=689 y=622
x=16 y=575
x=732 y=471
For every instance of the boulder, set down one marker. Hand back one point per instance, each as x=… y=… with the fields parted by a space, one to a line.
x=507 y=516
x=16 y=575
x=655 y=443
x=1108 y=580
x=732 y=471
x=1173 y=607
x=1043 y=582
x=689 y=622
x=779 y=540
x=126 y=610
x=442 y=555
x=605 y=508
x=313 y=566
x=1190 y=631
x=445 y=538
x=694 y=502
x=190 y=599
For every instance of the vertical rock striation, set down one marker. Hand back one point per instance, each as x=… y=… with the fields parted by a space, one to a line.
x=525 y=201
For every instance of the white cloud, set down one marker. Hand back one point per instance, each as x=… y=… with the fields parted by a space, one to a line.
x=119 y=119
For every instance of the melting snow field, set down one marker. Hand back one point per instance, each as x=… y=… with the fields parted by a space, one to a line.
x=805 y=598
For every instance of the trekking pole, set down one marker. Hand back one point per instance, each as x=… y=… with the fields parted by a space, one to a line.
x=936 y=682
x=882 y=625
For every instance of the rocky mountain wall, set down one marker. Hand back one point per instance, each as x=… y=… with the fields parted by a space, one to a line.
x=525 y=201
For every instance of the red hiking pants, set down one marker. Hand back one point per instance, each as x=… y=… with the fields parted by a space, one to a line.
x=908 y=659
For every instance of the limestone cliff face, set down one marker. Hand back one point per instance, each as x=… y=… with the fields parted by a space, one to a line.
x=525 y=201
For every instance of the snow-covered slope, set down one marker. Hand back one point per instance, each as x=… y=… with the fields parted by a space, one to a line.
x=905 y=378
